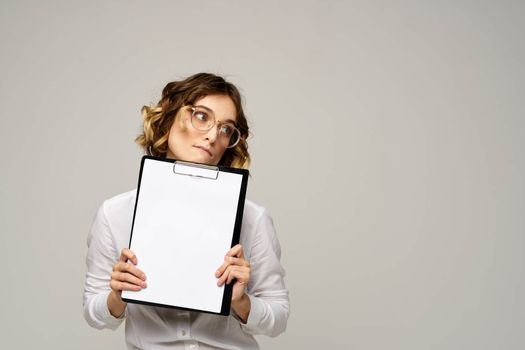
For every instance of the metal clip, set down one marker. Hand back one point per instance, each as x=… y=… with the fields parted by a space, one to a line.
x=197 y=170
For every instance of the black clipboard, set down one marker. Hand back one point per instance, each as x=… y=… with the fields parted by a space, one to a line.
x=187 y=216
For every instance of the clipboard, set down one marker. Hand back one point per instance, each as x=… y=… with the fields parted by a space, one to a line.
x=187 y=216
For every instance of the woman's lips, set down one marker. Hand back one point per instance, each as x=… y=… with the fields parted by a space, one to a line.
x=204 y=149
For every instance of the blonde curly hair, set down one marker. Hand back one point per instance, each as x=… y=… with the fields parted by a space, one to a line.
x=159 y=118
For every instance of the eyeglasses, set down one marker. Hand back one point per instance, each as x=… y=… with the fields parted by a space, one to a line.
x=203 y=119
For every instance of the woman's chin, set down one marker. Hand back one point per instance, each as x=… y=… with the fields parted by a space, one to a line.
x=196 y=157
x=203 y=159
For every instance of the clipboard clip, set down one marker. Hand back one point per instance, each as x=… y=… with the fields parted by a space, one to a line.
x=197 y=170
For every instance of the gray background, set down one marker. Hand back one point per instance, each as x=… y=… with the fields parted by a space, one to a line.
x=387 y=143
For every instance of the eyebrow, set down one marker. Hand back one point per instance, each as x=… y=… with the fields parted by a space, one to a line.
x=211 y=110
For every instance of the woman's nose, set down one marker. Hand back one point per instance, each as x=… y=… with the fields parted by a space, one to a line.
x=211 y=135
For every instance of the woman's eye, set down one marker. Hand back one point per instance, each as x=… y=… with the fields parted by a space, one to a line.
x=201 y=116
x=226 y=130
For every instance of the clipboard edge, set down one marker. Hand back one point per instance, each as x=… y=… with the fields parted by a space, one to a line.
x=148 y=303
x=228 y=289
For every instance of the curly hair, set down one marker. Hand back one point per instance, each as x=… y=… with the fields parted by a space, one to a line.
x=158 y=119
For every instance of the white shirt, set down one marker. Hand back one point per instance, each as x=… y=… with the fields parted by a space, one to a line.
x=149 y=327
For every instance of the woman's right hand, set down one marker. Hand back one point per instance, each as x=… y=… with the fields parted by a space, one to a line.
x=125 y=276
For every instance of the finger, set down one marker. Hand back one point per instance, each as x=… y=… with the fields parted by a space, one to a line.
x=232 y=272
x=230 y=260
x=119 y=286
x=127 y=267
x=241 y=274
x=127 y=277
x=236 y=251
x=224 y=276
x=126 y=254
x=236 y=261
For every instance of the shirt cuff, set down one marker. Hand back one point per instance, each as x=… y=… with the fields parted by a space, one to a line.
x=110 y=320
x=255 y=316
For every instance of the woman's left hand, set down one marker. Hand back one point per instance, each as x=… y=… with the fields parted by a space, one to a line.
x=235 y=266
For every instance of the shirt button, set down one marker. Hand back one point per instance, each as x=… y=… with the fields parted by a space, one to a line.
x=192 y=346
x=183 y=332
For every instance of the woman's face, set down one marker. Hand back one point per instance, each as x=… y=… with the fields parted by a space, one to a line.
x=189 y=144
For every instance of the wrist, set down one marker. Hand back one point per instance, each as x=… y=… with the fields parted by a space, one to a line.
x=243 y=299
x=241 y=307
x=116 y=305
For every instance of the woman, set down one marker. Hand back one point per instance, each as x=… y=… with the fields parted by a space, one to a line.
x=199 y=119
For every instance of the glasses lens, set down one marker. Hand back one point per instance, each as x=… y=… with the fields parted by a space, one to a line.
x=202 y=119
x=229 y=135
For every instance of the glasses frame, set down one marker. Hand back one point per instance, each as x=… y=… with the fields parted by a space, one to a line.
x=193 y=109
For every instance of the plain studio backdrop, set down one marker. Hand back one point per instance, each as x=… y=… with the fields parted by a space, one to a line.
x=388 y=144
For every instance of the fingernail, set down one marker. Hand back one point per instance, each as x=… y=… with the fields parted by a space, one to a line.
x=144 y=284
x=143 y=277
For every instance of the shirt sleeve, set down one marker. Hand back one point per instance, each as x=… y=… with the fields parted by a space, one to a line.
x=101 y=257
x=267 y=292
